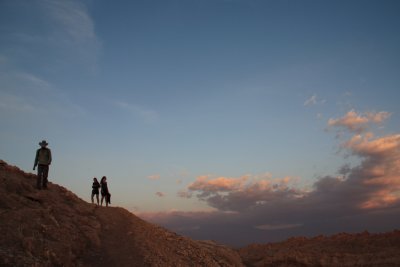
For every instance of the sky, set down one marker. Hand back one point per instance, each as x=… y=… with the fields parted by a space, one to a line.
x=239 y=121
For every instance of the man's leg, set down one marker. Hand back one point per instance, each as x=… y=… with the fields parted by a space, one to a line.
x=39 y=177
x=45 y=175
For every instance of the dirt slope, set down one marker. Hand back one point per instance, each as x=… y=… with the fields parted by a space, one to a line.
x=341 y=250
x=56 y=228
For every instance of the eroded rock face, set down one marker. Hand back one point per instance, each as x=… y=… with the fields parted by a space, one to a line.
x=343 y=249
x=56 y=228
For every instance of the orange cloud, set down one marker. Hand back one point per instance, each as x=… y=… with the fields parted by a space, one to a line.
x=379 y=172
x=244 y=183
x=358 y=122
x=374 y=183
x=378 y=117
x=380 y=199
x=365 y=145
x=154 y=177
x=235 y=194
x=204 y=183
x=247 y=206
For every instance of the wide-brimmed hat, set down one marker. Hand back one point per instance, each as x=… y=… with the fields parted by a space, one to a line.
x=43 y=143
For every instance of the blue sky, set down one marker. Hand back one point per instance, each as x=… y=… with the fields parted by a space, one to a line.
x=158 y=94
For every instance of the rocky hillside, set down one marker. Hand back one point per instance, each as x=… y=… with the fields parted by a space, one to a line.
x=56 y=228
x=364 y=249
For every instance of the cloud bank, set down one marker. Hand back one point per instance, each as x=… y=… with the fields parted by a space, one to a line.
x=252 y=209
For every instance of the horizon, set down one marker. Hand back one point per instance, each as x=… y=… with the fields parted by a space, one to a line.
x=275 y=118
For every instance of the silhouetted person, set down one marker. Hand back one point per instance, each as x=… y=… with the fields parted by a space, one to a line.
x=95 y=190
x=42 y=160
x=104 y=191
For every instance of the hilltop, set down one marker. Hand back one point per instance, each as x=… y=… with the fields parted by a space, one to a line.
x=54 y=227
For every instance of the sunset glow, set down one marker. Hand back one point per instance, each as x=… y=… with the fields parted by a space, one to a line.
x=264 y=118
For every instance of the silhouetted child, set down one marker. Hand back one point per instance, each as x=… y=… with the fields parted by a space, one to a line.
x=95 y=190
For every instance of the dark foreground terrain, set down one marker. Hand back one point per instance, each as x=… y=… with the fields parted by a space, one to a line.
x=56 y=228
x=340 y=250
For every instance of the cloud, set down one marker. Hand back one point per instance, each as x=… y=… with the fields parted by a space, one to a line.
x=361 y=197
x=314 y=100
x=145 y=114
x=380 y=169
x=63 y=36
x=25 y=83
x=311 y=101
x=203 y=183
x=238 y=194
x=154 y=177
x=347 y=94
x=23 y=93
x=62 y=39
x=12 y=103
x=355 y=122
x=160 y=194
x=72 y=18
x=184 y=194
x=365 y=145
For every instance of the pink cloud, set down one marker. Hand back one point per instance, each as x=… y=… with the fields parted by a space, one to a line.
x=357 y=122
x=378 y=117
x=260 y=207
x=154 y=177
x=204 y=183
x=366 y=145
x=235 y=194
x=379 y=171
x=374 y=184
x=381 y=199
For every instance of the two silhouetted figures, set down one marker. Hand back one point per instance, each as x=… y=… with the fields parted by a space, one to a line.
x=105 y=194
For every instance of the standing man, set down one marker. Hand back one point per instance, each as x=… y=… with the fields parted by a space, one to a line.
x=42 y=160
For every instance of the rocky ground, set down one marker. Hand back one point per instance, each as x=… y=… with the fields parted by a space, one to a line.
x=56 y=228
x=341 y=250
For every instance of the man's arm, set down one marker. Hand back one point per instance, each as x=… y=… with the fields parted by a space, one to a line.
x=50 y=158
x=36 y=159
